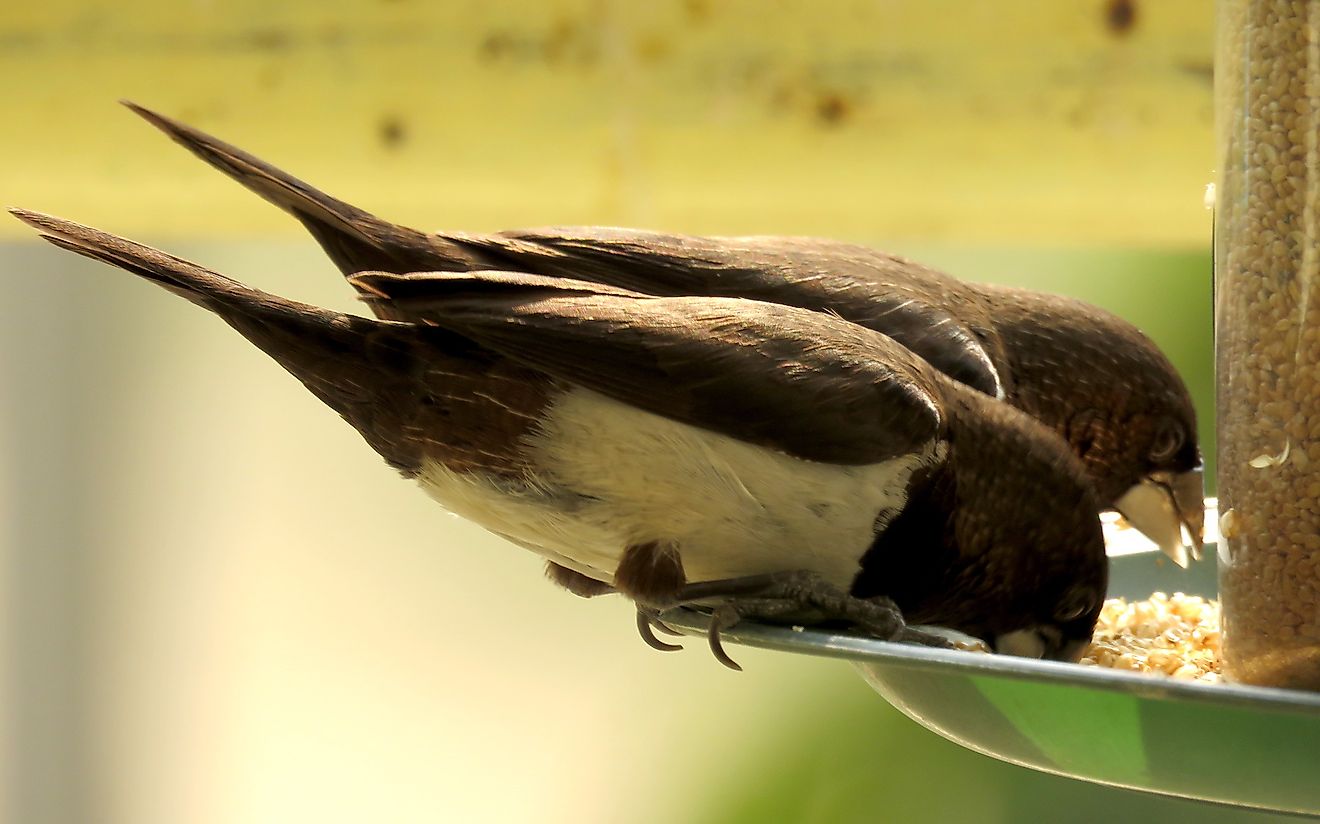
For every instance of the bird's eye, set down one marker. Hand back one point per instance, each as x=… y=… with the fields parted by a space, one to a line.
x=1169 y=439
x=1074 y=606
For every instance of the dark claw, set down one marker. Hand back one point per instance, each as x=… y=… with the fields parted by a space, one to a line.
x=665 y=628
x=644 y=624
x=794 y=596
x=924 y=639
x=717 y=625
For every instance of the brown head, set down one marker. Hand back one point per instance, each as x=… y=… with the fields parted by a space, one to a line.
x=1117 y=400
x=1034 y=527
x=1001 y=541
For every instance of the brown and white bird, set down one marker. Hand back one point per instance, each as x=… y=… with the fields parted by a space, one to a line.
x=761 y=459
x=1090 y=376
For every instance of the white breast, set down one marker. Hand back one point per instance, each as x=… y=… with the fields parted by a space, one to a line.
x=612 y=475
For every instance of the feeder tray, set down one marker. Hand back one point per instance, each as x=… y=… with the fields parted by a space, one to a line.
x=1243 y=746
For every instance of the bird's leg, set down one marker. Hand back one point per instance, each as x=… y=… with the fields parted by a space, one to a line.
x=650 y=573
x=800 y=597
x=575 y=582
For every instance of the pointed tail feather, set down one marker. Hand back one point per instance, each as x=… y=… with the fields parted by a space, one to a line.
x=208 y=289
x=336 y=356
x=354 y=239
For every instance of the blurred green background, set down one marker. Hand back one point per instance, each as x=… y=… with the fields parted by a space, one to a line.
x=220 y=607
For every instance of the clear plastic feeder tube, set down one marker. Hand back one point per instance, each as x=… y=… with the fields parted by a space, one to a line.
x=1267 y=338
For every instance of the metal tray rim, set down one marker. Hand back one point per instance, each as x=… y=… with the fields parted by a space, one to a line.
x=872 y=651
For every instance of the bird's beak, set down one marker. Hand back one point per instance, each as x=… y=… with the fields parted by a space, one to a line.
x=1164 y=506
x=1038 y=642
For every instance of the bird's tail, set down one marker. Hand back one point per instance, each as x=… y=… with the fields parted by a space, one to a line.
x=356 y=240
x=333 y=354
x=203 y=287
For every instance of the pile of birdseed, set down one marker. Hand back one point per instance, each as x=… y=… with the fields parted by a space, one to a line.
x=1175 y=635
x=1268 y=339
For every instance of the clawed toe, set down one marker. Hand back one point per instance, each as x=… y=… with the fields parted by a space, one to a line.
x=794 y=597
x=722 y=619
x=665 y=628
x=923 y=639
x=646 y=623
x=944 y=638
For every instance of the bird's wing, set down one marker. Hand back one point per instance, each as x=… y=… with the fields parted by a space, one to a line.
x=925 y=310
x=801 y=382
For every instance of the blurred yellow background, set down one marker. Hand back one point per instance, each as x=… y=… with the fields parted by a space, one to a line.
x=1083 y=121
x=221 y=607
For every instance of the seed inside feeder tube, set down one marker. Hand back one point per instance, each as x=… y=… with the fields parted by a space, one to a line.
x=1267 y=339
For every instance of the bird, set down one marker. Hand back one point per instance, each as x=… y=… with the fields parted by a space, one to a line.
x=1092 y=377
x=757 y=460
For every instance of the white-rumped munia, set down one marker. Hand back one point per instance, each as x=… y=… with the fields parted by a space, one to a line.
x=760 y=459
x=1090 y=376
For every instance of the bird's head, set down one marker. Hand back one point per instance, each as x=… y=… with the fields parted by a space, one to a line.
x=1048 y=545
x=1021 y=560
x=1060 y=633
x=1118 y=402
x=1166 y=499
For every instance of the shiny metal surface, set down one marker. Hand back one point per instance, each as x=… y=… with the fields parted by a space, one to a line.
x=1223 y=743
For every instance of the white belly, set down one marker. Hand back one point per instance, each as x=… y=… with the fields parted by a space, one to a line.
x=612 y=476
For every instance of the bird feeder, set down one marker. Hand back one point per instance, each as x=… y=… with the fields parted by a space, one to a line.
x=1267 y=339
x=1123 y=729
x=1163 y=735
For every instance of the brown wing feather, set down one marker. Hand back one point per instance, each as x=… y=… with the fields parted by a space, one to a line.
x=801 y=382
x=904 y=301
x=929 y=312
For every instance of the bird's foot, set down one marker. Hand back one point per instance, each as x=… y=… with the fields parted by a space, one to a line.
x=956 y=638
x=648 y=620
x=797 y=597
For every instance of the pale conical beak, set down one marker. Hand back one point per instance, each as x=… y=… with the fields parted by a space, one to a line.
x=1170 y=510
